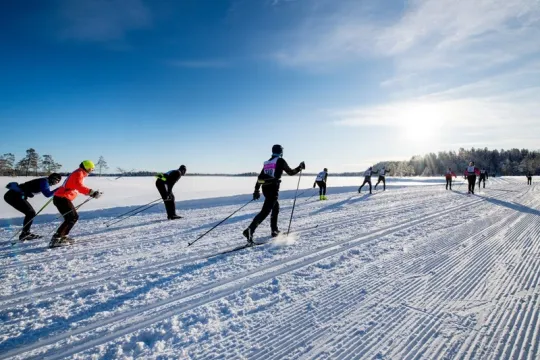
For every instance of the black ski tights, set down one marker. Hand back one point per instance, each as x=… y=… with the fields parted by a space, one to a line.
x=271 y=205
x=16 y=200
x=472 y=183
x=367 y=180
x=449 y=183
x=69 y=213
x=322 y=187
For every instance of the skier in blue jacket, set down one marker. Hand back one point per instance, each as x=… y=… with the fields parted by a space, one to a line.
x=18 y=194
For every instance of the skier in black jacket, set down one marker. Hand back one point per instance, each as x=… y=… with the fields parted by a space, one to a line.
x=483 y=177
x=165 y=183
x=18 y=194
x=270 y=179
x=382 y=177
x=529 y=178
x=367 y=179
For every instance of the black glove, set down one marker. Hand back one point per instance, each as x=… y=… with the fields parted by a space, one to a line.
x=95 y=194
x=256 y=195
x=314 y=185
x=302 y=165
x=29 y=195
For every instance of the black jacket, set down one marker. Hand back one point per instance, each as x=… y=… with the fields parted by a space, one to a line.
x=281 y=166
x=170 y=178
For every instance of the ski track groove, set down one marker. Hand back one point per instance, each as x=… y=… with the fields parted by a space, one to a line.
x=430 y=325
x=294 y=334
x=69 y=254
x=156 y=266
x=324 y=252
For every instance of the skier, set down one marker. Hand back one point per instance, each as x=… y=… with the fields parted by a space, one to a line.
x=165 y=183
x=470 y=174
x=448 y=175
x=483 y=177
x=18 y=194
x=63 y=200
x=367 y=179
x=321 y=179
x=382 y=173
x=529 y=178
x=270 y=179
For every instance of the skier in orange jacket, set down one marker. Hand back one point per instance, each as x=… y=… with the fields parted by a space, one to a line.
x=63 y=198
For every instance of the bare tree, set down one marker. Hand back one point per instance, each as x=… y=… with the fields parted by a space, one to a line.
x=48 y=165
x=102 y=164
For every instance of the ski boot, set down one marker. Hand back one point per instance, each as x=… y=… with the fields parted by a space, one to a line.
x=275 y=233
x=28 y=236
x=324 y=197
x=174 y=217
x=60 y=241
x=248 y=234
x=321 y=197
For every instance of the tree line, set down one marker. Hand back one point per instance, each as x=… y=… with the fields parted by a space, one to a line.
x=496 y=162
x=34 y=164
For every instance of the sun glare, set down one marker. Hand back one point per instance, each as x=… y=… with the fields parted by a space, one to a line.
x=422 y=123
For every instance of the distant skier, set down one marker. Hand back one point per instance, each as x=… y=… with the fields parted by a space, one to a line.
x=382 y=177
x=483 y=177
x=270 y=179
x=448 y=176
x=165 y=183
x=18 y=194
x=470 y=174
x=63 y=198
x=320 y=181
x=529 y=178
x=367 y=179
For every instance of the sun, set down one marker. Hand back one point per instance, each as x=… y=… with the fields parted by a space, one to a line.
x=422 y=123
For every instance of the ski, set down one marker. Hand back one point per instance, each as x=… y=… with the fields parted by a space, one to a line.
x=238 y=248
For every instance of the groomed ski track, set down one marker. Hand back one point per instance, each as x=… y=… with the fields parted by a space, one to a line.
x=410 y=273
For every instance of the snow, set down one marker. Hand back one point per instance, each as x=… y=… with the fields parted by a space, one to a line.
x=415 y=272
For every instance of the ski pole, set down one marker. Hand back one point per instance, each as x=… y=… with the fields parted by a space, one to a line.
x=315 y=193
x=294 y=203
x=221 y=222
x=135 y=213
x=130 y=211
x=32 y=219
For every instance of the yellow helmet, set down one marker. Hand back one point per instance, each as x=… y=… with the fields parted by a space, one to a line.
x=88 y=165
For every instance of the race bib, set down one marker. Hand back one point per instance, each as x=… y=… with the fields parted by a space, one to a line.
x=270 y=167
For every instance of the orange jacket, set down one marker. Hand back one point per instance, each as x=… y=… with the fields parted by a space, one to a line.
x=73 y=185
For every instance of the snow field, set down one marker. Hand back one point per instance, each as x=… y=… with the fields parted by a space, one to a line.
x=413 y=272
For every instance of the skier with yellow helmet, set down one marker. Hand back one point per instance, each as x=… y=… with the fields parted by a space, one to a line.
x=63 y=200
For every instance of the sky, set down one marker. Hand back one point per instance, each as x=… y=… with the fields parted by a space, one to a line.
x=214 y=84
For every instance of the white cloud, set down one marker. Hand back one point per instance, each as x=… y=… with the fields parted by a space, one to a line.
x=103 y=20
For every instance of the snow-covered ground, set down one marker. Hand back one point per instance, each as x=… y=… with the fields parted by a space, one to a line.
x=415 y=272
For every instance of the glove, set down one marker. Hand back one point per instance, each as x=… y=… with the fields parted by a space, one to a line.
x=314 y=185
x=302 y=165
x=256 y=195
x=29 y=195
x=94 y=194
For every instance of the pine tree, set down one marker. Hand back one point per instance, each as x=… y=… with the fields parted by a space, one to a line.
x=7 y=164
x=48 y=165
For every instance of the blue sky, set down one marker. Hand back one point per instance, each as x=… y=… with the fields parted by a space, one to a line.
x=214 y=84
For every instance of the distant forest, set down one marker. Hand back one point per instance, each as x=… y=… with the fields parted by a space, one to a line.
x=496 y=162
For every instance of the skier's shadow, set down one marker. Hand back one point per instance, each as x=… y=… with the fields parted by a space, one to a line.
x=61 y=324
x=513 y=206
x=337 y=205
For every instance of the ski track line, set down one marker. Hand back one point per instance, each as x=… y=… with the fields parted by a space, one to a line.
x=351 y=284
x=265 y=344
x=497 y=324
x=10 y=252
x=280 y=268
x=396 y=304
x=68 y=287
x=291 y=317
x=430 y=325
